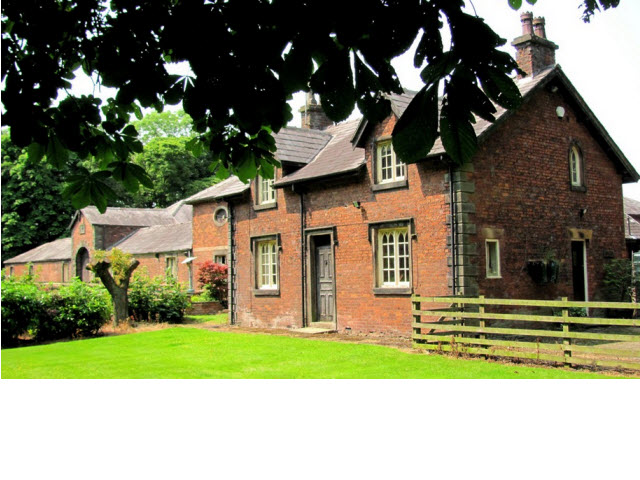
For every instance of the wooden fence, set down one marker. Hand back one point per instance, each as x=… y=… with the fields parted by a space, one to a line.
x=464 y=325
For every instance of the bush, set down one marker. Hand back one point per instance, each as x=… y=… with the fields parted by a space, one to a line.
x=213 y=278
x=74 y=310
x=157 y=299
x=24 y=305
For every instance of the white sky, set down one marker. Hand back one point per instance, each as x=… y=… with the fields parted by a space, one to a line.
x=601 y=59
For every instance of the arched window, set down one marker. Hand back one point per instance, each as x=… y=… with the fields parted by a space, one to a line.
x=576 y=167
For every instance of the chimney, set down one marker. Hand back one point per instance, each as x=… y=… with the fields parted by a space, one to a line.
x=313 y=116
x=534 y=52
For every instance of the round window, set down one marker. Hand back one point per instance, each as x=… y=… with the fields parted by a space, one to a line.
x=220 y=216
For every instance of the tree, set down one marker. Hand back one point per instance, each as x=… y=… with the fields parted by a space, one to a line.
x=165 y=124
x=114 y=269
x=32 y=213
x=245 y=68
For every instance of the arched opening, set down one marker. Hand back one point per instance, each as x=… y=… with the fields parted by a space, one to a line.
x=82 y=260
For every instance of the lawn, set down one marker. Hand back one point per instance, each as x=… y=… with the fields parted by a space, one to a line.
x=218 y=319
x=197 y=353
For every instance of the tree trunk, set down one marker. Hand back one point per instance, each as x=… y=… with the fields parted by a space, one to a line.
x=119 y=293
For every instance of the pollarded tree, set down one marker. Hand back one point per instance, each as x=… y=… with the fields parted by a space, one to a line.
x=114 y=269
x=247 y=57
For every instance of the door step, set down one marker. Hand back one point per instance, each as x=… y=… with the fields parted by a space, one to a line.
x=314 y=330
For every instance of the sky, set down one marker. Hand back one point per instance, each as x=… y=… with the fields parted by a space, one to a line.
x=601 y=59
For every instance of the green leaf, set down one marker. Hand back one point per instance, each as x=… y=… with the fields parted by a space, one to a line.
x=57 y=154
x=438 y=69
x=35 y=152
x=333 y=81
x=500 y=88
x=458 y=137
x=515 y=4
x=130 y=130
x=417 y=129
x=246 y=166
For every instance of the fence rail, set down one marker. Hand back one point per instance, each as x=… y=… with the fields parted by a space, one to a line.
x=463 y=325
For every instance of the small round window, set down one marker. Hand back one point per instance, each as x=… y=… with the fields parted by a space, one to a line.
x=220 y=216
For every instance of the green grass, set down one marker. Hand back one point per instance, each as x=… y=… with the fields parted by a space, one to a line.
x=197 y=353
x=219 y=319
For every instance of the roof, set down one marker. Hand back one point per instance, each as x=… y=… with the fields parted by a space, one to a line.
x=336 y=158
x=300 y=145
x=527 y=86
x=179 y=212
x=156 y=239
x=58 y=250
x=227 y=188
x=631 y=227
x=631 y=207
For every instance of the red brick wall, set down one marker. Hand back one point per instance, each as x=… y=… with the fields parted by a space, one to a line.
x=156 y=265
x=79 y=240
x=357 y=306
x=523 y=187
x=110 y=234
x=44 y=272
x=209 y=239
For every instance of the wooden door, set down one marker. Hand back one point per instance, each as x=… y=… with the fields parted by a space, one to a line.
x=578 y=262
x=324 y=284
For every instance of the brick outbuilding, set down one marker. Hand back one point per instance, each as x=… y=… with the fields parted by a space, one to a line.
x=346 y=232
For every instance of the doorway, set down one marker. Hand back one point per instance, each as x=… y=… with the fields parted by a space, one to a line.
x=82 y=260
x=321 y=310
x=579 y=269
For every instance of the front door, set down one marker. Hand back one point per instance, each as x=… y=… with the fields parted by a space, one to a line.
x=579 y=266
x=324 y=284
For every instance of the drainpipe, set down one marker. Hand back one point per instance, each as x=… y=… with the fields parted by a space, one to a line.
x=303 y=263
x=454 y=233
x=231 y=263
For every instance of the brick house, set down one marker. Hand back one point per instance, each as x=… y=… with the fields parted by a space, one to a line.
x=346 y=232
x=159 y=238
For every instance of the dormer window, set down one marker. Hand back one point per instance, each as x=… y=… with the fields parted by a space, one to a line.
x=576 y=168
x=389 y=168
x=265 y=193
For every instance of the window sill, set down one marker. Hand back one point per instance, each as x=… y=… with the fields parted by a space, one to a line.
x=265 y=292
x=578 y=188
x=494 y=278
x=265 y=206
x=392 y=291
x=378 y=187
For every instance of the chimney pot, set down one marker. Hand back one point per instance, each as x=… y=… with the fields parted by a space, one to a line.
x=526 y=18
x=538 y=27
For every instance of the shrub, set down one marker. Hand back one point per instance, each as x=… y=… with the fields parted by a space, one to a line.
x=78 y=309
x=73 y=310
x=156 y=299
x=213 y=278
x=24 y=305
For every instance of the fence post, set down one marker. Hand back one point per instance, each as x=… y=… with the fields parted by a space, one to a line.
x=566 y=341
x=483 y=324
x=416 y=318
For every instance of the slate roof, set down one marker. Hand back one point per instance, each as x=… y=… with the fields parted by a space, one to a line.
x=631 y=227
x=526 y=85
x=226 y=188
x=156 y=239
x=300 y=145
x=179 y=212
x=336 y=158
x=632 y=207
x=57 y=250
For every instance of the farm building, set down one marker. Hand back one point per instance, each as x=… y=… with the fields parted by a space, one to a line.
x=346 y=232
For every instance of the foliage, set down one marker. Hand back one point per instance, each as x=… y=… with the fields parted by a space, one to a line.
x=155 y=125
x=23 y=307
x=78 y=309
x=32 y=213
x=213 y=277
x=118 y=260
x=620 y=284
x=157 y=299
x=75 y=310
x=244 y=70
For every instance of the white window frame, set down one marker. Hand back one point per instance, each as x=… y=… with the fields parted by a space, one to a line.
x=388 y=165
x=576 y=167
x=220 y=259
x=265 y=192
x=266 y=264
x=393 y=257
x=171 y=267
x=492 y=273
x=215 y=214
